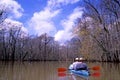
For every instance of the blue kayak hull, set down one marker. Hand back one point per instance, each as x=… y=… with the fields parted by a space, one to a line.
x=84 y=73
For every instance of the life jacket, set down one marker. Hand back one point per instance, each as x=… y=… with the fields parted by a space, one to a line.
x=78 y=66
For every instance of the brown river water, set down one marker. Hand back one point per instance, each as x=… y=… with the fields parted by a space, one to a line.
x=48 y=71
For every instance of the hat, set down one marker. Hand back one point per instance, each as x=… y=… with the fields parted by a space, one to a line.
x=76 y=59
x=81 y=58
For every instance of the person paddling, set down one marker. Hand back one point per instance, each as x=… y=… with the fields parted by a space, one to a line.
x=78 y=65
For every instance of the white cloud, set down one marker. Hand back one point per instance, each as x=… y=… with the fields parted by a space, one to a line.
x=41 y=21
x=12 y=7
x=63 y=36
x=9 y=23
x=65 y=2
x=45 y=14
x=68 y=25
x=14 y=11
x=70 y=22
x=59 y=3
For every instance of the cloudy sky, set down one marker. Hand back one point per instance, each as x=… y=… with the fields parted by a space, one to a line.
x=55 y=17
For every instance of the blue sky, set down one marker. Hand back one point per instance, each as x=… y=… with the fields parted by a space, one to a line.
x=55 y=17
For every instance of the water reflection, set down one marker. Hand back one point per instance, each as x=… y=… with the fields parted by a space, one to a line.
x=111 y=71
x=48 y=71
x=28 y=71
x=71 y=76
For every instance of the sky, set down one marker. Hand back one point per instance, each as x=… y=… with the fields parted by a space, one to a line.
x=54 y=17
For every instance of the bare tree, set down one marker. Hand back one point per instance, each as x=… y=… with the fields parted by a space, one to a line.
x=104 y=16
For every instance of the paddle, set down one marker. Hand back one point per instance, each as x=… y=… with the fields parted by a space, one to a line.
x=63 y=74
x=62 y=69
x=96 y=74
x=95 y=68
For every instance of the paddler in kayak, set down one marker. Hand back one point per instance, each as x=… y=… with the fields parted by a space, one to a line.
x=78 y=65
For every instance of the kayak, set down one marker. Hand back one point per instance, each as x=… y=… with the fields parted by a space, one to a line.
x=83 y=73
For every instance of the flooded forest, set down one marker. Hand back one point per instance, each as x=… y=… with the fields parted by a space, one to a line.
x=96 y=37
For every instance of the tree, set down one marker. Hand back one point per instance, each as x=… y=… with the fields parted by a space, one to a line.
x=100 y=24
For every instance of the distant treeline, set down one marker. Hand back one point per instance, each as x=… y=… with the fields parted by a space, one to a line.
x=13 y=46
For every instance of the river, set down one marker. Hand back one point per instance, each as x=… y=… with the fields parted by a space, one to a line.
x=48 y=71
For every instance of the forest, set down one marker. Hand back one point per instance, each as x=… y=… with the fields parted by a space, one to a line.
x=96 y=37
